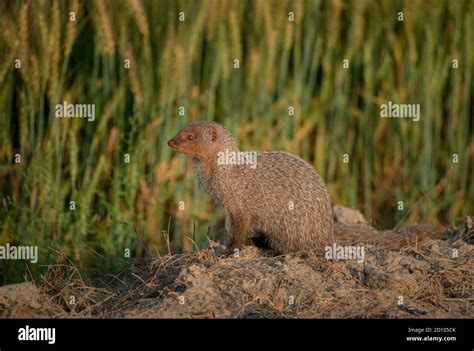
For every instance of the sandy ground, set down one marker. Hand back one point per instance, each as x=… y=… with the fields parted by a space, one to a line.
x=431 y=280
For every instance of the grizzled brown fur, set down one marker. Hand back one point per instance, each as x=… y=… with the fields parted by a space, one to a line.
x=260 y=199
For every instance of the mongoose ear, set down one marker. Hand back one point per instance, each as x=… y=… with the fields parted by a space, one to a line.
x=213 y=133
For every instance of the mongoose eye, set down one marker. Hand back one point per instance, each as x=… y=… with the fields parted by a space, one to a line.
x=190 y=137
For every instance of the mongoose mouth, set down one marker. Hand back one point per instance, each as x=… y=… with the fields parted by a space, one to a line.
x=176 y=145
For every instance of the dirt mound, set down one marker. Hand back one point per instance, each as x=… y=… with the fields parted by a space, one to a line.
x=431 y=281
x=20 y=300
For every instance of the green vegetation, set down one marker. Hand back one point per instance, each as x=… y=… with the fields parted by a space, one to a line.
x=191 y=64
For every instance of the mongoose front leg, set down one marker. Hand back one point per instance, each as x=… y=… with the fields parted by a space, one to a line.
x=241 y=227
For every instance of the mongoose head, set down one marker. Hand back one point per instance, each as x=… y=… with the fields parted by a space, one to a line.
x=202 y=140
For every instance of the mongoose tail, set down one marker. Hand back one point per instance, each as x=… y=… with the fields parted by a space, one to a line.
x=363 y=233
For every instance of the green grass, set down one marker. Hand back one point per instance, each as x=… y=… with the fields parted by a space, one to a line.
x=190 y=64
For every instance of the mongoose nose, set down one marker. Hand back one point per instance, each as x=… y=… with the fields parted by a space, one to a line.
x=171 y=143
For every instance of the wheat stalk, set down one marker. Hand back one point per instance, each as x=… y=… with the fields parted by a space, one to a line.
x=140 y=17
x=105 y=33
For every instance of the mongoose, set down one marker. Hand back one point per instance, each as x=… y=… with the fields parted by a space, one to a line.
x=280 y=196
x=274 y=193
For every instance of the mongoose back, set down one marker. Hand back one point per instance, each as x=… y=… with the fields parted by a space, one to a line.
x=274 y=193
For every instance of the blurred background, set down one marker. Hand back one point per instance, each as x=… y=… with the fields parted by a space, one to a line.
x=150 y=67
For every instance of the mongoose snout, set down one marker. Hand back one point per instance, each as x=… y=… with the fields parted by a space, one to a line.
x=178 y=142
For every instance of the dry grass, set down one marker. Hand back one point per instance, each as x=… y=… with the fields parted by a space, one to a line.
x=432 y=283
